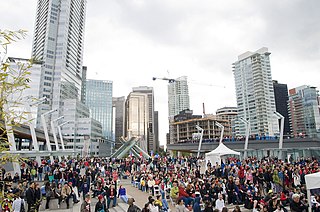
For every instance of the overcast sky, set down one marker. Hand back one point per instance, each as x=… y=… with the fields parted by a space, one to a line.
x=131 y=41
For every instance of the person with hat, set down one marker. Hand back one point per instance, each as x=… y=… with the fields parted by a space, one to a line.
x=132 y=207
x=101 y=204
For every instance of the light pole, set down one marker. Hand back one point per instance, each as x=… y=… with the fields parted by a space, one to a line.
x=281 y=117
x=222 y=131
x=60 y=133
x=200 y=142
x=45 y=129
x=247 y=123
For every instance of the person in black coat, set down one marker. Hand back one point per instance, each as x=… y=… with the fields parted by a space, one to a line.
x=31 y=197
x=101 y=205
x=297 y=205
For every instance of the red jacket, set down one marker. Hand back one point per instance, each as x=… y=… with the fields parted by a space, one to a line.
x=182 y=192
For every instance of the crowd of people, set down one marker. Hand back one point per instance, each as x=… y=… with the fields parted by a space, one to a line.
x=179 y=184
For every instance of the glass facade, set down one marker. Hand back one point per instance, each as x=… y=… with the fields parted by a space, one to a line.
x=98 y=98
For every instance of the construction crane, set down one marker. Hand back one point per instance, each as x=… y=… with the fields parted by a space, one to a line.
x=170 y=80
x=164 y=78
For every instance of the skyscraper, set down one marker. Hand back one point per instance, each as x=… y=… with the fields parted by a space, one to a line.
x=99 y=100
x=178 y=96
x=58 y=43
x=137 y=118
x=254 y=92
x=151 y=141
x=118 y=104
x=304 y=111
x=281 y=98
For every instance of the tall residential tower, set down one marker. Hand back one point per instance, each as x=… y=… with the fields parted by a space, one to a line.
x=255 y=94
x=58 y=43
x=178 y=96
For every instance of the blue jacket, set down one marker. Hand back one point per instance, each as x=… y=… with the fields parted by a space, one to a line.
x=196 y=206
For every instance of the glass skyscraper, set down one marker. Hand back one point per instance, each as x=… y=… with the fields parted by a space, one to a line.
x=98 y=98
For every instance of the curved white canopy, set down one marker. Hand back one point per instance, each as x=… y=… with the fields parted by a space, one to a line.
x=222 y=150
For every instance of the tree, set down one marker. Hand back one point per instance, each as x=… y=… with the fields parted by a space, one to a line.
x=13 y=81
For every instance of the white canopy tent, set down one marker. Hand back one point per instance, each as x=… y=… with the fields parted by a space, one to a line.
x=312 y=182
x=215 y=155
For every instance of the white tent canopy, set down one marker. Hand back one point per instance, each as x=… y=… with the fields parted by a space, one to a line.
x=312 y=182
x=215 y=155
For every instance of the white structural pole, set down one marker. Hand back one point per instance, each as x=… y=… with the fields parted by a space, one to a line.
x=222 y=131
x=200 y=142
x=54 y=131
x=32 y=131
x=35 y=144
x=247 y=123
x=10 y=136
x=53 y=128
x=60 y=134
x=45 y=129
x=281 y=117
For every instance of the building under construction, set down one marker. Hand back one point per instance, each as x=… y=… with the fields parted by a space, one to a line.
x=185 y=131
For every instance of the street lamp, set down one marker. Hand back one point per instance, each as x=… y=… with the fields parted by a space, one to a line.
x=60 y=133
x=222 y=130
x=45 y=129
x=281 y=117
x=28 y=106
x=247 y=123
x=200 y=142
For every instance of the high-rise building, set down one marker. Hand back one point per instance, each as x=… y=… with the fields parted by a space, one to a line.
x=33 y=92
x=58 y=44
x=99 y=100
x=178 y=96
x=281 y=98
x=83 y=84
x=255 y=94
x=119 y=105
x=304 y=111
x=137 y=118
x=151 y=141
x=81 y=132
x=156 y=130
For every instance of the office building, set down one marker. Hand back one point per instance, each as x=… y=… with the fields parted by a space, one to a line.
x=151 y=141
x=156 y=130
x=82 y=132
x=255 y=94
x=30 y=94
x=230 y=114
x=119 y=105
x=304 y=111
x=98 y=98
x=281 y=98
x=137 y=118
x=83 y=84
x=58 y=44
x=178 y=96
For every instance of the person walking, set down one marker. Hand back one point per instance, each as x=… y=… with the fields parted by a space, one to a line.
x=111 y=195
